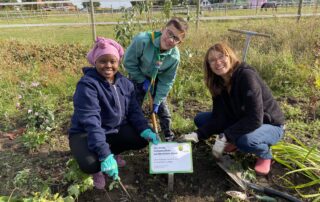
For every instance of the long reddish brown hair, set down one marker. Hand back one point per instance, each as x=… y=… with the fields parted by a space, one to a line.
x=214 y=82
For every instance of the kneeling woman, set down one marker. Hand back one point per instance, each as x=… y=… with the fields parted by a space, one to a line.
x=244 y=112
x=107 y=119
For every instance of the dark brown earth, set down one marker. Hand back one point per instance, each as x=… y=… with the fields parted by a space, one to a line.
x=208 y=182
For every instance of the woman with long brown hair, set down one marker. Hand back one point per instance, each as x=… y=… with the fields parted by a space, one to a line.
x=244 y=112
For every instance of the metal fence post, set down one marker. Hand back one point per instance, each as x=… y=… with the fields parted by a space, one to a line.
x=248 y=34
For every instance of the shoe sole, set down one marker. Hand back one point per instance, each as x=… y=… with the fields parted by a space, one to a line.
x=261 y=174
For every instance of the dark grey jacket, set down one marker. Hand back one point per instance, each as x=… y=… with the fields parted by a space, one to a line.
x=249 y=105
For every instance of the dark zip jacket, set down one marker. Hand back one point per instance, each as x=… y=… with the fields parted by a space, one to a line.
x=248 y=105
x=101 y=108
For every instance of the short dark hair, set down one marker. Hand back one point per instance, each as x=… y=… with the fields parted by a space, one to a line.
x=178 y=23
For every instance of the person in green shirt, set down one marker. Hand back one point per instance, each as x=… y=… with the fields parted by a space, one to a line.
x=154 y=56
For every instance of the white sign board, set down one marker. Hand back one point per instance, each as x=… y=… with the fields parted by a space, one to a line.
x=170 y=157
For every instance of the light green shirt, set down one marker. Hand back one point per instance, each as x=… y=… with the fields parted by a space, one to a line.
x=140 y=59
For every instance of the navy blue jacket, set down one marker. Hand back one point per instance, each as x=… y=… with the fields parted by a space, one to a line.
x=101 y=108
x=248 y=105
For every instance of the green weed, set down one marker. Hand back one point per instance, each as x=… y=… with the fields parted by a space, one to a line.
x=182 y=125
x=302 y=159
x=33 y=139
x=41 y=118
x=307 y=131
x=293 y=112
x=80 y=181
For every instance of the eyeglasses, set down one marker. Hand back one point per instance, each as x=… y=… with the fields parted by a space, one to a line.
x=220 y=57
x=171 y=35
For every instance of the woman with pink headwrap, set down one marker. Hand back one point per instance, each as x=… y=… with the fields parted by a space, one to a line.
x=107 y=119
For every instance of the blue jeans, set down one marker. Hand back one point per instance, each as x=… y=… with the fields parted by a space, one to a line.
x=257 y=142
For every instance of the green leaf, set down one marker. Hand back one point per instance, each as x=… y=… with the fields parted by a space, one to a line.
x=114 y=184
x=68 y=199
x=74 y=190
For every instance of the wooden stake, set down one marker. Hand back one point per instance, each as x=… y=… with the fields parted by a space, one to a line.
x=153 y=116
x=155 y=128
x=124 y=189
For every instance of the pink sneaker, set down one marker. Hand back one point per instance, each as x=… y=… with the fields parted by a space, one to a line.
x=120 y=161
x=262 y=166
x=99 y=180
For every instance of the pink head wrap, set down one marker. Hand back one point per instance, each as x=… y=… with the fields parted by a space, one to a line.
x=104 y=46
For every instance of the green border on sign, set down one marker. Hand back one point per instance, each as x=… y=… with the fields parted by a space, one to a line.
x=170 y=172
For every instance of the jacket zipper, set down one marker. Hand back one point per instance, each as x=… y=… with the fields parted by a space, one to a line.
x=117 y=95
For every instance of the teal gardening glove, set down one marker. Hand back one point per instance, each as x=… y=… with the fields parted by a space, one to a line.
x=110 y=167
x=149 y=135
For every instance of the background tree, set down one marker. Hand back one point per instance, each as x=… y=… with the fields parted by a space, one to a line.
x=7 y=1
x=167 y=8
x=30 y=7
x=87 y=4
x=175 y=2
x=193 y=2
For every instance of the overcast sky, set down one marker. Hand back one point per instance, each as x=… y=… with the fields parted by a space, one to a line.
x=107 y=3
x=104 y=3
